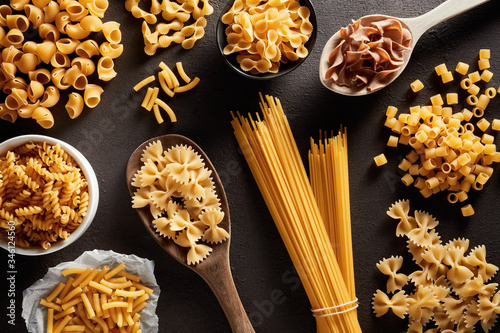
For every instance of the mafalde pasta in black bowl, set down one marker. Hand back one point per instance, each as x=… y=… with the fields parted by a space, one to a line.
x=48 y=194
x=266 y=39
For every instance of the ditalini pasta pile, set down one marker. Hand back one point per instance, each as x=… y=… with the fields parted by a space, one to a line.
x=265 y=34
x=34 y=74
x=329 y=174
x=451 y=289
x=184 y=22
x=453 y=148
x=180 y=193
x=275 y=162
x=170 y=85
x=96 y=300
x=43 y=191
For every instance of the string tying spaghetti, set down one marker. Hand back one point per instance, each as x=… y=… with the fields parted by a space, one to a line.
x=355 y=302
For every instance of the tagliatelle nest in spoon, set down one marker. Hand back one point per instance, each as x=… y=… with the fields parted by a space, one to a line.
x=368 y=53
x=180 y=193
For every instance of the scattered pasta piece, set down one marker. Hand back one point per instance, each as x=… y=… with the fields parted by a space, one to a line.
x=43 y=191
x=84 y=304
x=450 y=288
x=179 y=191
x=416 y=85
x=380 y=160
x=172 y=21
x=170 y=85
x=448 y=153
x=55 y=55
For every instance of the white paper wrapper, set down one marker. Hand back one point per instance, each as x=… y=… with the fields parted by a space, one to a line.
x=35 y=314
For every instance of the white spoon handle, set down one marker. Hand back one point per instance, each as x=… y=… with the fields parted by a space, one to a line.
x=448 y=9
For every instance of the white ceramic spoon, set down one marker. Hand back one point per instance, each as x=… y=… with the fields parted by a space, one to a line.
x=416 y=25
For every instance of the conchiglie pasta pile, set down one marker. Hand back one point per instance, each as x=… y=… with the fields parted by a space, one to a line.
x=63 y=56
x=183 y=22
x=265 y=34
x=451 y=290
x=181 y=196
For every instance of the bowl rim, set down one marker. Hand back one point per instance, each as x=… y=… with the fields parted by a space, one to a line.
x=93 y=188
x=228 y=59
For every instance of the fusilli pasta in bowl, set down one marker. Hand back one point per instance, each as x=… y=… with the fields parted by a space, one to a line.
x=48 y=194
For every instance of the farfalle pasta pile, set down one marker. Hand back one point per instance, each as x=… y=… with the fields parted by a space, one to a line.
x=265 y=34
x=368 y=53
x=33 y=74
x=450 y=292
x=44 y=192
x=183 y=23
x=181 y=196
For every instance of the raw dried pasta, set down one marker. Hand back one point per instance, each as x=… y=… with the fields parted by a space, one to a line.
x=170 y=85
x=265 y=34
x=90 y=301
x=43 y=191
x=178 y=189
x=172 y=21
x=448 y=152
x=450 y=289
x=68 y=31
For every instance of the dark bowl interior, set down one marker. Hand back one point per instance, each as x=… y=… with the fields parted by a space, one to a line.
x=284 y=68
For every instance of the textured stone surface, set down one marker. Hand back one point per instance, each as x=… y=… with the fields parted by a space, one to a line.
x=108 y=134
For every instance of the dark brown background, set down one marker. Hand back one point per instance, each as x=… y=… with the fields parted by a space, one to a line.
x=262 y=270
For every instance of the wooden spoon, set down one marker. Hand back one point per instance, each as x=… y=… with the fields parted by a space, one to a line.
x=416 y=25
x=215 y=269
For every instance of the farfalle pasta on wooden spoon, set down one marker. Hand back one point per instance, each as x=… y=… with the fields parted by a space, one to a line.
x=178 y=190
x=181 y=202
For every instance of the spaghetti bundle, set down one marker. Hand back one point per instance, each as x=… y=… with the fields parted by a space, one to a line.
x=273 y=157
x=328 y=168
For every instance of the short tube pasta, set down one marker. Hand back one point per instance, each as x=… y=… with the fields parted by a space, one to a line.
x=75 y=78
x=50 y=97
x=85 y=65
x=112 y=32
x=67 y=45
x=92 y=95
x=43 y=117
x=105 y=69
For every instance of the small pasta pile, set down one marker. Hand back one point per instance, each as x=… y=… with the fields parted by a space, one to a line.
x=452 y=150
x=96 y=300
x=450 y=292
x=183 y=22
x=181 y=196
x=170 y=85
x=33 y=74
x=44 y=192
x=266 y=33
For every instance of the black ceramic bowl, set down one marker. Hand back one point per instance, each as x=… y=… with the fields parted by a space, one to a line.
x=284 y=68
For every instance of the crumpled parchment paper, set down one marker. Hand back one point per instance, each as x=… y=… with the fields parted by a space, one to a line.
x=35 y=314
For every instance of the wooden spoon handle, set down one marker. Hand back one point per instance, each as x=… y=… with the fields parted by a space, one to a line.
x=222 y=284
x=441 y=13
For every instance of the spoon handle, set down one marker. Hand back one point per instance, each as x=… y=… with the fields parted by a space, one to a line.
x=221 y=282
x=448 y=9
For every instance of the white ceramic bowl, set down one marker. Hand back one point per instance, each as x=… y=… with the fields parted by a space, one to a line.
x=93 y=188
